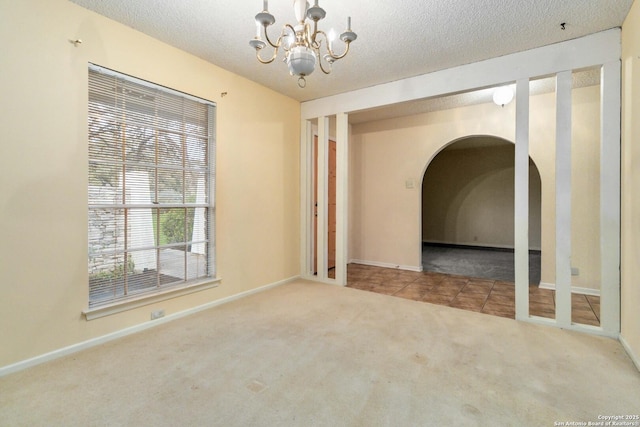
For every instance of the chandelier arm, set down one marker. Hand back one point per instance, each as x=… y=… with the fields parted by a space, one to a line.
x=322 y=60
x=278 y=42
x=266 y=61
x=336 y=57
x=289 y=26
x=315 y=33
x=315 y=42
x=318 y=43
x=309 y=37
x=322 y=66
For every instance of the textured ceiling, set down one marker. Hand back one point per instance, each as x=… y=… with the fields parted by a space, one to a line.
x=396 y=39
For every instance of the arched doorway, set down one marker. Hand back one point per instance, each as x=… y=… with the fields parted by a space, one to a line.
x=468 y=210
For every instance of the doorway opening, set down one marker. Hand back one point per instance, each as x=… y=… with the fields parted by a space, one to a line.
x=468 y=211
x=331 y=171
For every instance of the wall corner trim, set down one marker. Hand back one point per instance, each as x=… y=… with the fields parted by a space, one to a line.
x=574 y=289
x=632 y=355
x=74 y=348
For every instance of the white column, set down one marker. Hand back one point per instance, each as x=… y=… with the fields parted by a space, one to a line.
x=610 y=199
x=322 y=209
x=521 y=203
x=342 y=196
x=306 y=199
x=563 y=198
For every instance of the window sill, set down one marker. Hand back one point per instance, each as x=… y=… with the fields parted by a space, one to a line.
x=140 y=301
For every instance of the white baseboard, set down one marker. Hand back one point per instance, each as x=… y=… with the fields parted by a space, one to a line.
x=634 y=357
x=574 y=289
x=474 y=244
x=15 y=367
x=387 y=265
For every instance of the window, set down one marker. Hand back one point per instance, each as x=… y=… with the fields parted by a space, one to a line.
x=151 y=188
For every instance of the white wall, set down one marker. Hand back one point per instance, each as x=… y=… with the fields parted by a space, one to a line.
x=385 y=217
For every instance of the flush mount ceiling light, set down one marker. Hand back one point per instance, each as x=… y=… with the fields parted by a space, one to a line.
x=303 y=42
x=503 y=95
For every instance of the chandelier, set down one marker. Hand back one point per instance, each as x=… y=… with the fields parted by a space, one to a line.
x=302 y=43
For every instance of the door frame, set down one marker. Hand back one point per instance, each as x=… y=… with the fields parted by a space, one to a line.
x=312 y=177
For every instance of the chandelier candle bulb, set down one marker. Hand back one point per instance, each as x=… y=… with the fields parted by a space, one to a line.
x=300 y=10
x=258 y=29
x=348 y=23
x=265 y=5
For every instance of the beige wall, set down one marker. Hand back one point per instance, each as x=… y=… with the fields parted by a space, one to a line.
x=631 y=181
x=385 y=217
x=43 y=172
x=385 y=220
x=468 y=195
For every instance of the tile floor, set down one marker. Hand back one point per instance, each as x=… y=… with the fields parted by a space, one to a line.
x=482 y=295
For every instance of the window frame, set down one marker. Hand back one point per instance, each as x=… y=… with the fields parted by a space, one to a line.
x=183 y=285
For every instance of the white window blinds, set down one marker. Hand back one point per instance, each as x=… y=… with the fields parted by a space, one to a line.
x=151 y=187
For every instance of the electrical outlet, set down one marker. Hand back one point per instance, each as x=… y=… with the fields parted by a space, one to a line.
x=575 y=271
x=157 y=314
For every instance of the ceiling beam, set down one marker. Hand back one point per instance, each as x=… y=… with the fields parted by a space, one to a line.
x=583 y=52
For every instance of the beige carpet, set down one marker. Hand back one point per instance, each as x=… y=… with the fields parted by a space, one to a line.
x=307 y=354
